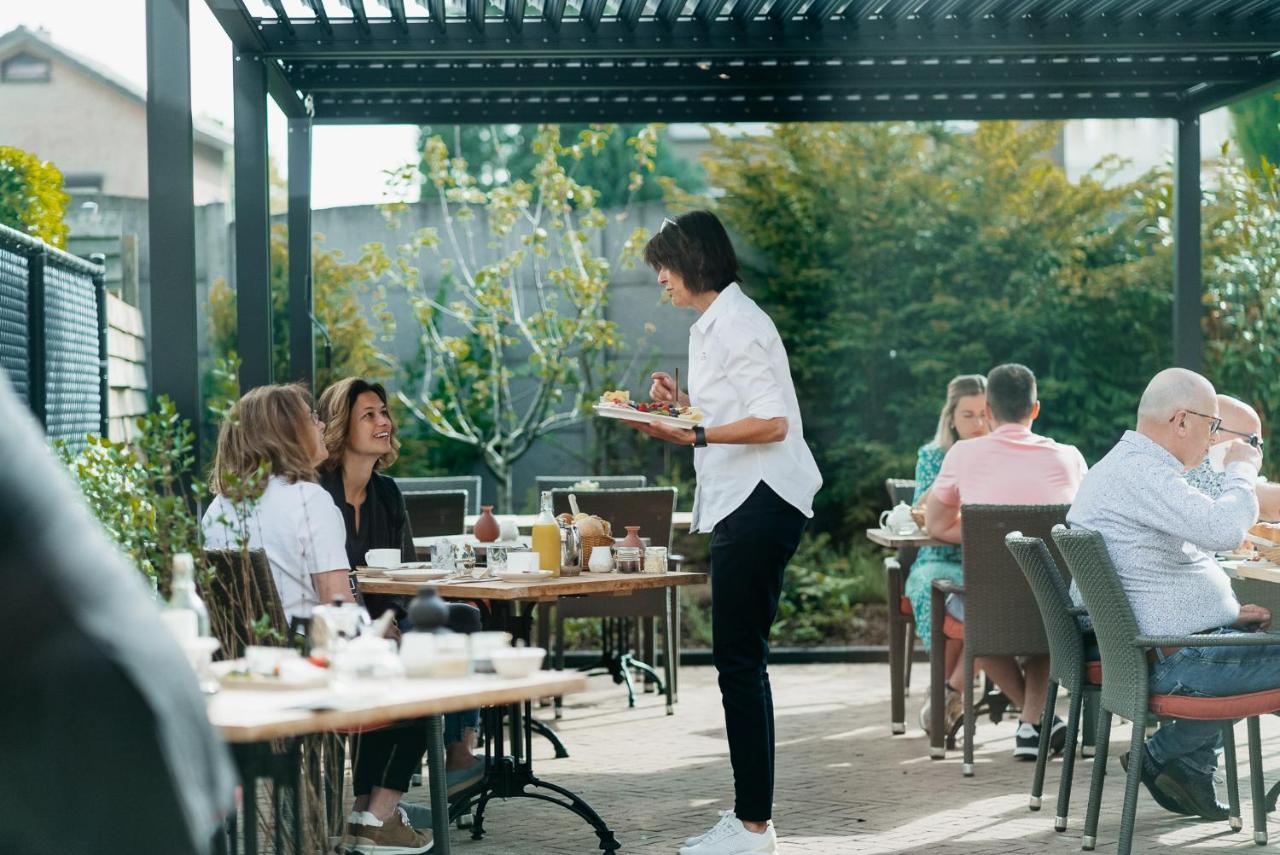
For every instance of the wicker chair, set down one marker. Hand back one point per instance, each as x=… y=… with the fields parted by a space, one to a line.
x=436 y=513
x=1001 y=616
x=1126 y=692
x=902 y=621
x=239 y=595
x=1068 y=665
x=445 y=483
x=651 y=508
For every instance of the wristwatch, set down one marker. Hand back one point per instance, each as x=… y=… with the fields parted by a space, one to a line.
x=699 y=436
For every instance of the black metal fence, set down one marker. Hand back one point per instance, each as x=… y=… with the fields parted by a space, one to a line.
x=53 y=334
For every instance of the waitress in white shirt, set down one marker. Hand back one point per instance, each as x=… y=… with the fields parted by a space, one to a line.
x=756 y=483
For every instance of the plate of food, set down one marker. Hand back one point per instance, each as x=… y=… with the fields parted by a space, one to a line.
x=617 y=404
x=289 y=674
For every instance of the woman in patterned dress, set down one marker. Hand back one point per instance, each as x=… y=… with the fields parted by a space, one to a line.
x=963 y=417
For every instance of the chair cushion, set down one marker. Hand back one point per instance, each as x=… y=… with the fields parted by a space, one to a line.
x=1093 y=672
x=953 y=628
x=904 y=608
x=1216 y=709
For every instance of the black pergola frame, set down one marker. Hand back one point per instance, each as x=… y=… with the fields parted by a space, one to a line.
x=397 y=62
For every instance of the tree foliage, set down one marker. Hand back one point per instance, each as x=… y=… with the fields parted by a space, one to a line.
x=1256 y=128
x=31 y=196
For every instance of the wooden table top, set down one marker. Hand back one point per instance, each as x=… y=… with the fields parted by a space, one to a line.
x=898 y=541
x=246 y=715
x=618 y=584
x=1263 y=571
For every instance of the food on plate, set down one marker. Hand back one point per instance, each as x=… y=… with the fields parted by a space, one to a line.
x=621 y=398
x=1266 y=531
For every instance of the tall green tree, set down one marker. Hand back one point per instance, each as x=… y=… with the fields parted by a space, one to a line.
x=1256 y=127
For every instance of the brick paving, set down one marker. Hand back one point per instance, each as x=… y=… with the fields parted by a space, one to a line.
x=844 y=784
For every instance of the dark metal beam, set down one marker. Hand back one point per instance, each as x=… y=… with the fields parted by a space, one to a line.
x=357 y=12
x=247 y=38
x=553 y=15
x=745 y=11
x=252 y=224
x=281 y=15
x=1188 y=289
x=629 y=12
x=1220 y=96
x=821 y=10
x=322 y=16
x=513 y=14
x=591 y=12
x=475 y=14
x=438 y=19
x=783 y=11
x=397 y=14
x=301 y=340
x=172 y=329
x=707 y=37
x=668 y=12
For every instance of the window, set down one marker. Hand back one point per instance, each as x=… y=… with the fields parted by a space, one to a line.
x=82 y=183
x=25 y=68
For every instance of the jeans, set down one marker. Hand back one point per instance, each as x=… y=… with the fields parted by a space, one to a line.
x=1207 y=672
x=750 y=549
x=387 y=757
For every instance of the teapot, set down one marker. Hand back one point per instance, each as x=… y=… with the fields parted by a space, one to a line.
x=899 y=520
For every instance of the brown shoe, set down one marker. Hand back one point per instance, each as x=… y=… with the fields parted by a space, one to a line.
x=394 y=837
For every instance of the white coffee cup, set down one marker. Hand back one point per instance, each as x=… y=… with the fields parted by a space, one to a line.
x=522 y=562
x=387 y=559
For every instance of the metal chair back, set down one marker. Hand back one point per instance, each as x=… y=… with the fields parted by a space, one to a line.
x=651 y=508
x=1124 y=686
x=436 y=484
x=1066 y=641
x=441 y=512
x=1001 y=614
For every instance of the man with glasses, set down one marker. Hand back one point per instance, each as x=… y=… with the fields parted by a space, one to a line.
x=1240 y=423
x=1161 y=533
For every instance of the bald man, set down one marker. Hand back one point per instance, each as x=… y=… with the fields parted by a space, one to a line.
x=1161 y=533
x=1240 y=423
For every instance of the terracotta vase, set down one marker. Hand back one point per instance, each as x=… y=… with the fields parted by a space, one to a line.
x=633 y=537
x=486 y=529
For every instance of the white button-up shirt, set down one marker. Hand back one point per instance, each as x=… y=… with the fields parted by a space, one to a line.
x=738 y=368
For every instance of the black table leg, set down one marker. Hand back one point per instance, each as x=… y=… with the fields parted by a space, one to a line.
x=438 y=784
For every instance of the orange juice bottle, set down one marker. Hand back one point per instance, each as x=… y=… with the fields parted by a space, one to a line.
x=546 y=537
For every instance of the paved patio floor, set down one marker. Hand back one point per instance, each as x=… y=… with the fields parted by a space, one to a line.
x=844 y=784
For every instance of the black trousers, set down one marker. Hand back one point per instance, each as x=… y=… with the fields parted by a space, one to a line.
x=750 y=549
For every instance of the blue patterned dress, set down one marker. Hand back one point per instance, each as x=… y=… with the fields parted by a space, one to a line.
x=932 y=562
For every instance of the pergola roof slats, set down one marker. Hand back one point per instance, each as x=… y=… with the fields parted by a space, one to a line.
x=322 y=16
x=751 y=58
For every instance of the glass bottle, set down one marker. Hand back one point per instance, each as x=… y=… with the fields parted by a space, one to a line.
x=546 y=537
x=183 y=596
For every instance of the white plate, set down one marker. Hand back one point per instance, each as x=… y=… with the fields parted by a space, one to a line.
x=626 y=414
x=523 y=575
x=416 y=575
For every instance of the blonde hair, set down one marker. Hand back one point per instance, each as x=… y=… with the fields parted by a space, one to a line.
x=335 y=406
x=961 y=386
x=266 y=425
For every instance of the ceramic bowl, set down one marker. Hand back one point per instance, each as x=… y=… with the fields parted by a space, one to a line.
x=516 y=662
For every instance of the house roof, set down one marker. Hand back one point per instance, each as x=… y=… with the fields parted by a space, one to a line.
x=206 y=131
x=460 y=61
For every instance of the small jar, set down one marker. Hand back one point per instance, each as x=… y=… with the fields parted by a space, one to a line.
x=627 y=559
x=655 y=559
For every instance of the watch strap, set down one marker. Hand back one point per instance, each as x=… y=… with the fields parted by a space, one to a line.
x=699 y=436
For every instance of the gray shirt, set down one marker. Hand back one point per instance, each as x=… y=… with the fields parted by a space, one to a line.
x=1160 y=532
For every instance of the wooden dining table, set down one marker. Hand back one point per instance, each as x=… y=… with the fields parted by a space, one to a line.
x=680 y=520
x=511 y=608
x=252 y=721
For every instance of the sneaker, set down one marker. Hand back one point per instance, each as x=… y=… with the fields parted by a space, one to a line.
x=393 y=837
x=1057 y=735
x=419 y=816
x=952 y=712
x=730 y=837
x=697 y=838
x=1196 y=790
x=463 y=779
x=1026 y=742
x=1150 y=772
x=353 y=835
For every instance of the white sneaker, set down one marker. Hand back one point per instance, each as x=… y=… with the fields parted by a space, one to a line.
x=730 y=837
x=697 y=838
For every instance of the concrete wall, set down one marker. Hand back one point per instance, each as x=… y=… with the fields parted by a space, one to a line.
x=86 y=126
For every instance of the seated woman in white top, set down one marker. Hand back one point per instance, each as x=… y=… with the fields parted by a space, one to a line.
x=296 y=523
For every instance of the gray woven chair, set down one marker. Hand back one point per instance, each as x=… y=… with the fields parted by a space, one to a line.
x=442 y=483
x=902 y=621
x=1001 y=615
x=1068 y=666
x=437 y=513
x=1126 y=691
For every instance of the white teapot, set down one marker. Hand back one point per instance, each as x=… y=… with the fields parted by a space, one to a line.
x=899 y=520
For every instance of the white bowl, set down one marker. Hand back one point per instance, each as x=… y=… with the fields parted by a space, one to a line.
x=388 y=559
x=516 y=662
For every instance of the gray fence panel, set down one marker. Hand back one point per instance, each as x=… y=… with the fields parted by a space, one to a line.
x=14 y=340
x=73 y=387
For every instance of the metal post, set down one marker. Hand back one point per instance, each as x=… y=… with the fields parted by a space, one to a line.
x=104 y=326
x=302 y=356
x=1188 y=289
x=252 y=226
x=38 y=365
x=175 y=370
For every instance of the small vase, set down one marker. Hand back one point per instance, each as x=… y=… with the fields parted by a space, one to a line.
x=486 y=529
x=427 y=612
x=633 y=537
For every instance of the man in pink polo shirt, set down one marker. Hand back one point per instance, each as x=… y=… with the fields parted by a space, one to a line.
x=1009 y=466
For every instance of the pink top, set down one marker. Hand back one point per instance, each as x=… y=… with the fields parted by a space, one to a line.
x=1009 y=466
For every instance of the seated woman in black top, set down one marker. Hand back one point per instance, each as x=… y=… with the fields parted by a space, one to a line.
x=361 y=439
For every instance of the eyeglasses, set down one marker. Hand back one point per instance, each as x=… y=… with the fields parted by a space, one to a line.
x=1215 y=423
x=1251 y=438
